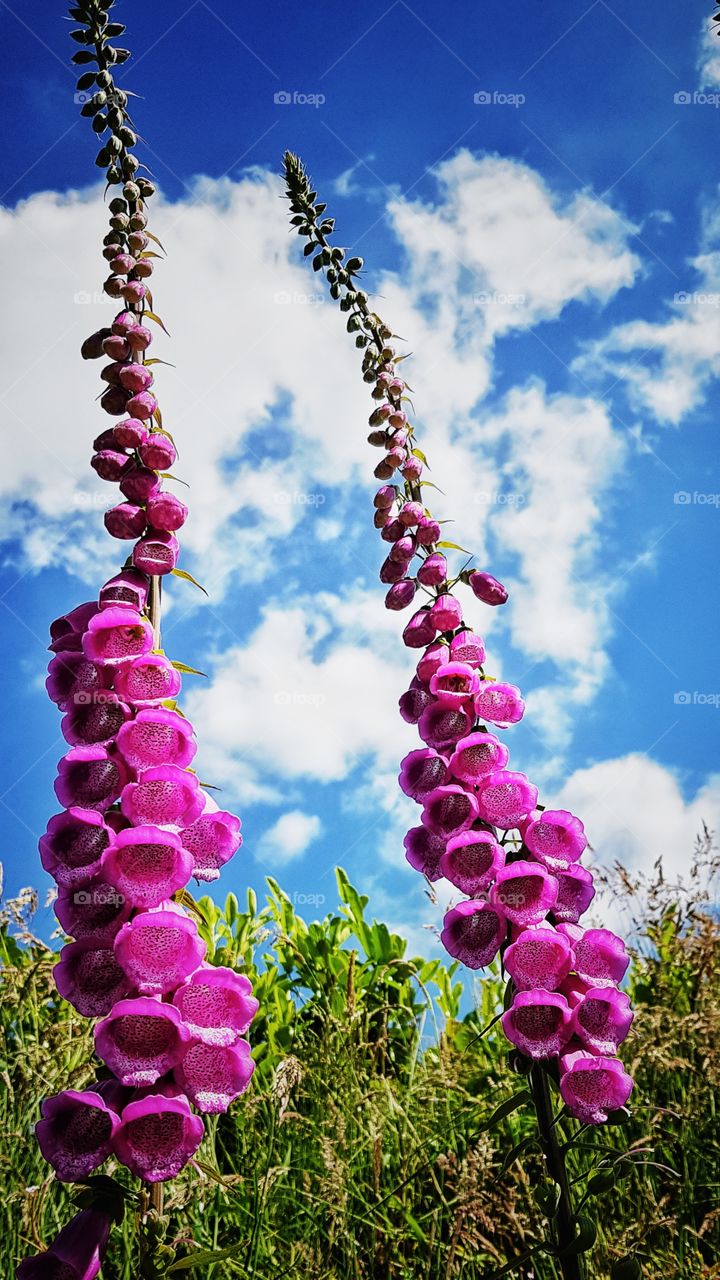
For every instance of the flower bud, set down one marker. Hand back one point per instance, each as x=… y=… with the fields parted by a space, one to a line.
x=401 y=594
x=137 y=241
x=130 y=434
x=486 y=588
x=92 y=347
x=156 y=554
x=114 y=401
x=385 y=496
x=411 y=514
x=413 y=469
x=115 y=347
x=139 y=484
x=121 y=264
x=428 y=531
x=133 y=291
x=158 y=451
x=109 y=464
x=392 y=531
x=110 y=373
x=112 y=286
x=433 y=570
x=144 y=268
x=166 y=512
x=123 y=321
x=125 y=520
x=142 y=406
x=135 y=377
x=139 y=337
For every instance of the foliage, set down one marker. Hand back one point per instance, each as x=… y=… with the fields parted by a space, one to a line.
x=381 y=1132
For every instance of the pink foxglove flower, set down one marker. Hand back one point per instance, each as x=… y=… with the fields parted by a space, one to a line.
x=539 y=957
x=486 y=588
x=592 y=1087
x=423 y=850
x=454 y=683
x=73 y=846
x=76 y=1252
x=524 y=892
x=147 y=865
x=601 y=959
x=505 y=798
x=555 y=837
x=575 y=893
x=472 y=933
x=141 y=1040
x=216 y=1004
x=449 y=809
x=128 y=588
x=421 y=772
x=472 y=860
x=159 y=949
x=442 y=726
x=157 y=1136
x=117 y=634
x=156 y=553
x=215 y=1075
x=538 y=1023
x=212 y=839
x=90 y=777
x=601 y=1019
x=70 y=674
x=147 y=681
x=157 y=736
x=89 y=976
x=500 y=704
x=166 y=512
x=477 y=756
x=76 y=1132
x=94 y=912
x=165 y=796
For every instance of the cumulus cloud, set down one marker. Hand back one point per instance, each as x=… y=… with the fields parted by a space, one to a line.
x=708 y=63
x=289 y=838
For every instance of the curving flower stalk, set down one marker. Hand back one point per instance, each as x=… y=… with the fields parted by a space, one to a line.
x=482 y=826
x=136 y=826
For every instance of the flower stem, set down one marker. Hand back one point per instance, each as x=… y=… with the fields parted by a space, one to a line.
x=571 y=1267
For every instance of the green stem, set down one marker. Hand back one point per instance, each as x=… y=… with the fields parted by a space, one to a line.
x=571 y=1267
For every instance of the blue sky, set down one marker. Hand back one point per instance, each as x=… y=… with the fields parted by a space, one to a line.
x=534 y=194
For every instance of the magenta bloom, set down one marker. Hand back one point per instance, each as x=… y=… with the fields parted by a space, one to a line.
x=65 y=632
x=157 y=1136
x=157 y=736
x=476 y=756
x=471 y=861
x=117 y=634
x=538 y=1023
x=500 y=704
x=94 y=912
x=442 y=727
x=147 y=865
x=420 y=630
x=602 y=1019
x=131 y=433
x=75 y=1133
x=127 y=520
x=216 y=1004
x=214 y=1075
x=159 y=949
x=157 y=553
x=600 y=956
x=94 y=718
x=434 y=657
x=90 y=777
x=158 y=452
x=413 y=702
x=555 y=837
x=524 y=892
x=165 y=796
x=468 y=647
x=166 y=512
x=90 y=978
x=505 y=798
x=76 y=1252
x=453 y=683
x=148 y=680
x=141 y=1040
x=421 y=772
x=486 y=588
x=472 y=933
x=575 y=893
x=139 y=484
x=110 y=464
x=212 y=840
x=593 y=1087
x=539 y=958
x=144 y=404
x=73 y=846
x=446 y=613
x=128 y=588
x=433 y=570
x=70 y=674
x=424 y=850
x=401 y=594
x=449 y=809
x=135 y=377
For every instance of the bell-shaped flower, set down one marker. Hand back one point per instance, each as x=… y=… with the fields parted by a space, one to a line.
x=476 y=756
x=159 y=949
x=117 y=634
x=165 y=796
x=76 y=1252
x=89 y=977
x=454 y=683
x=600 y=955
x=216 y=1004
x=157 y=736
x=449 y=809
x=212 y=839
x=555 y=837
x=524 y=892
x=538 y=1023
x=472 y=932
x=602 y=1018
x=148 y=681
x=499 y=704
x=141 y=1040
x=157 y=1136
x=539 y=957
x=96 y=911
x=72 y=849
x=147 y=865
x=75 y=1133
x=90 y=778
x=472 y=860
x=421 y=772
x=505 y=798
x=214 y=1075
x=575 y=893
x=591 y=1087
x=423 y=850
x=442 y=727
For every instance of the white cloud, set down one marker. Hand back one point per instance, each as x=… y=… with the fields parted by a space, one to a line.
x=288 y=838
x=708 y=64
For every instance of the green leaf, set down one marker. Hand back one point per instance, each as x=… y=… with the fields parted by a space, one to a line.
x=506 y=1108
x=428 y=484
x=203 y=1259
x=418 y=453
x=186 y=670
x=150 y=315
x=454 y=546
x=183 y=573
x=584 y=1240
